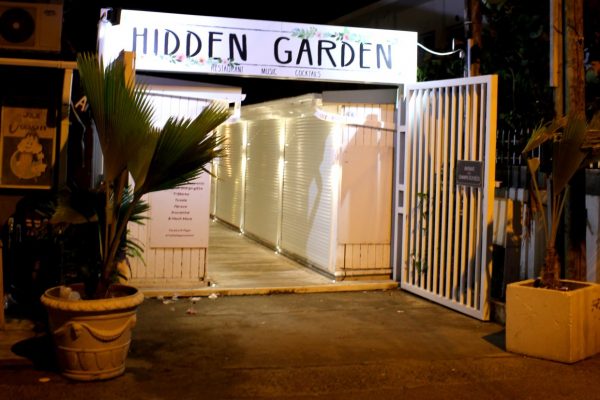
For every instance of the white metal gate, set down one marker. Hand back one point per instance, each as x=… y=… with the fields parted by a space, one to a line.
x=445 y=192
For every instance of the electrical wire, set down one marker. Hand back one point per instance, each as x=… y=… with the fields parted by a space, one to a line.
x=448 y=53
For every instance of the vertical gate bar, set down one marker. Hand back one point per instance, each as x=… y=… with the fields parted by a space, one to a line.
x=459 y=198
x=420 y=179
x=415 y=101
x=422 y=187
x=475 y=194
x=408 y=99
x=439 y=133
x=465 y=195
x=488 y=205
x=425 y=270
x=482 y=221
x=453 y=198
x=431 y=134
x=419 y=187
x=471 y=194
x=475 y=220
x=445 y=264
x=406 y=235
x=411 y=210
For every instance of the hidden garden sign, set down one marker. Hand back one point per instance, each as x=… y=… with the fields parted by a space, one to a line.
x=254 y=48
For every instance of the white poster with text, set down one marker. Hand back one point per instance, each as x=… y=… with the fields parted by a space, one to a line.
x=180 y=217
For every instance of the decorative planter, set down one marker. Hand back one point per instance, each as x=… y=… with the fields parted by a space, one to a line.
x=92 y=337
x=552 y=324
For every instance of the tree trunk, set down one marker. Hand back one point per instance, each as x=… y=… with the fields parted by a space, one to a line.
x=551 y=270
x=473 y=35
x=557 y=56
x=575 y=218
x=476 y=37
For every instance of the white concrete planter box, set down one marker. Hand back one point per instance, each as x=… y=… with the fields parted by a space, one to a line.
x=551 y=324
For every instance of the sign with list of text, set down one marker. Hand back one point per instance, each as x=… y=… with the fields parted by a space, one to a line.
x=469 y=173
x=179 y=217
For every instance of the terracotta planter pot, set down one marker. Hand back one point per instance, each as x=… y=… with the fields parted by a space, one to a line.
x=92 y=337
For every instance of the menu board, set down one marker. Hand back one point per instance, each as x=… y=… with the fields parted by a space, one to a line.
x=180 y=217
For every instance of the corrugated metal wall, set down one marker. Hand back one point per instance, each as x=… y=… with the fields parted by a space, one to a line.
x=264 y=161
x=307 y=170
x=308 y=219
x=230 y=173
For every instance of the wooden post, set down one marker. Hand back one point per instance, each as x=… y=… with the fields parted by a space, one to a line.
x=476 y=37
x=575 y=215
x=575 y=84
x=2 y=320
x=556 y=55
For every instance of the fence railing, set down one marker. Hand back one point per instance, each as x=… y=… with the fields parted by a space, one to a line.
x=511 y=166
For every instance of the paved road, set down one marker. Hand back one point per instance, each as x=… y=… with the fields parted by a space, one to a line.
x=356 y=345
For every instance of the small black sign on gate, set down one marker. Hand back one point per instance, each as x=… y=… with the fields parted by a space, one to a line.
x=469 y=173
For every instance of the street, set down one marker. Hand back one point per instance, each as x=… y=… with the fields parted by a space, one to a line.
x=355 y=345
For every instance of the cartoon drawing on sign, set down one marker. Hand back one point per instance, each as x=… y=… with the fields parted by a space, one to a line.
x=27 y=162
x=27 y=145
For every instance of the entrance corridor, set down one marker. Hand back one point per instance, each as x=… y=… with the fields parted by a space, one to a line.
x=238 y=265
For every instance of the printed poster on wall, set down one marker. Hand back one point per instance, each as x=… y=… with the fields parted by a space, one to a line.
x=27 y=146
x=180 y=217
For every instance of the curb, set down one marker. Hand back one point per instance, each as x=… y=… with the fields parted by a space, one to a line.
x=352 y=286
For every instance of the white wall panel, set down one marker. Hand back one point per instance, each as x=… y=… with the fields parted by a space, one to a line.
x=230 y=173
x=366 y=184
x=263 y=179
x=307 y=219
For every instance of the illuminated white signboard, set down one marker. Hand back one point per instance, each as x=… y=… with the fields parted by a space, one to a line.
x=227 y=46
x=179 y=217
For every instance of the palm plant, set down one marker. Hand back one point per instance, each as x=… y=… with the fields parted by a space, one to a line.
x=155 y=158
x=574 y=145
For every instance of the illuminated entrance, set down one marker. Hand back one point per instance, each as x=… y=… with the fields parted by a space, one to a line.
x=250 y=48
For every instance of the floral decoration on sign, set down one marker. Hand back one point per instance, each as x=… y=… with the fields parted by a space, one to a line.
x=181 y=58
x=340 y=36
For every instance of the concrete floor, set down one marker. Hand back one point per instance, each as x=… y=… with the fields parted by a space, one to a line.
x=356 y=343
x=237 y=265
x=351 y=345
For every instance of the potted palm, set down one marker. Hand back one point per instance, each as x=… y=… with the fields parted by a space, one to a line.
x=91 y=326
x=550 y=317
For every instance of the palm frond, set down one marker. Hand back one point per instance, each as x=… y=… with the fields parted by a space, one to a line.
x=567 y=154
x=592 y=140
x=134 y=248
x=184 y=148
x=140 y=208
x=123 y=117
x=543 y=133
x=157 y=159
